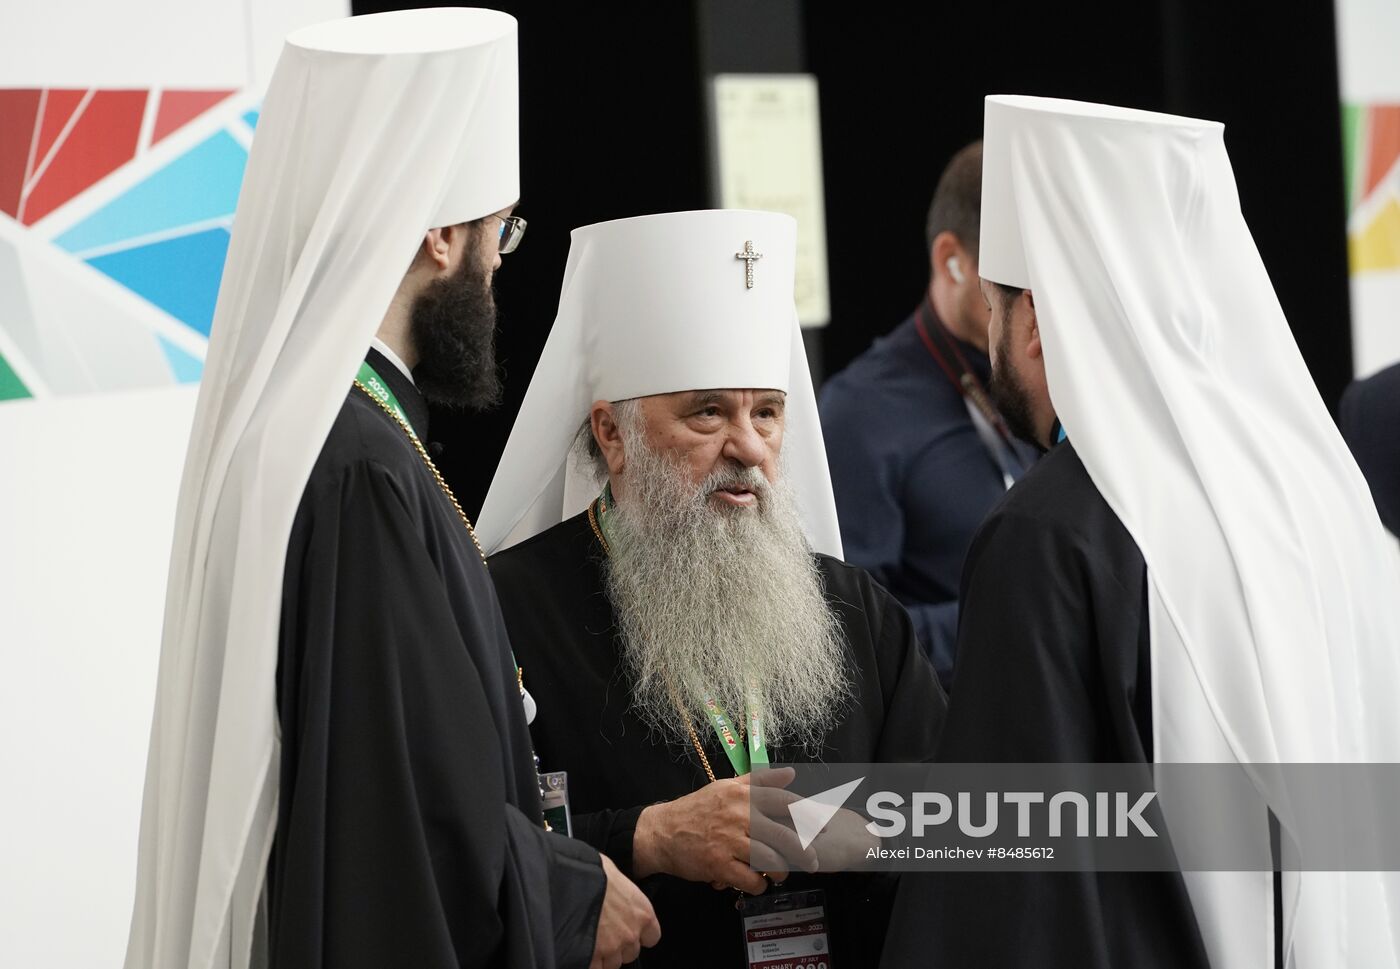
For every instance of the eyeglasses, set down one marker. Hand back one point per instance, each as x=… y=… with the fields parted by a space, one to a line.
x=512 y=231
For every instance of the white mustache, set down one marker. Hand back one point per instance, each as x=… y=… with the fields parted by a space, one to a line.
x=735 y=477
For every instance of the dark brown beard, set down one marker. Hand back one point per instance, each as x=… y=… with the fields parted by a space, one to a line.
x=1012 y=399
x=454 y=330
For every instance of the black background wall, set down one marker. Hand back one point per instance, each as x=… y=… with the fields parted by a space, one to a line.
x=613 y=124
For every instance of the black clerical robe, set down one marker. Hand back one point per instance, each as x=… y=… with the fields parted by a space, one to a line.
x=1053 y=666
x=408 y=827
x=562 y=626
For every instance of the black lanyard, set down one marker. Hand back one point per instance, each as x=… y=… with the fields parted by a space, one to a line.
x=944 y=350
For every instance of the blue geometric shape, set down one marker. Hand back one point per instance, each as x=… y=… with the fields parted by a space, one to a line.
x=250 y=118
x=179 y=275
x=201 y=184
x=186 y=368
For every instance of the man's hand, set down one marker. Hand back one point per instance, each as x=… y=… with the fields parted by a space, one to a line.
x=844 y=842
x=626 y=923
x=710 y=835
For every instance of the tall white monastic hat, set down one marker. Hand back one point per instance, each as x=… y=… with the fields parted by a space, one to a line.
x=654 y=305
x=467 y=54
x=1271 y=583
x=374 y=129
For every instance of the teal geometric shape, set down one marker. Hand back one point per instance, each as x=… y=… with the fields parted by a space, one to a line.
x=201 y=184
x=180 y=275
x=250 y=118
x=11 y=387
x=186 y=368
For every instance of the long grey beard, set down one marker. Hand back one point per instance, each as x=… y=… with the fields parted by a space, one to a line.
x=722 y=602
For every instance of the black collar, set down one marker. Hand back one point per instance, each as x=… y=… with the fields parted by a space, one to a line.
x=410 y=399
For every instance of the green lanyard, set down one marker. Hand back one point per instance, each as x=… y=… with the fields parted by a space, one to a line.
x=744 y=757
x=372 y=382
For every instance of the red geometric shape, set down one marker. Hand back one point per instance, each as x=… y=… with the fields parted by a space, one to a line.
x=1384 y=146
x=59 y=105
x=103 y=139
x=19 y=111
x=179 y=108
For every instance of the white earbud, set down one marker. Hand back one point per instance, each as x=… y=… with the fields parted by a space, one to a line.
x=955 y=270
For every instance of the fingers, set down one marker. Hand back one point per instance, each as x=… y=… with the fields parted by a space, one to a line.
x=626 y=922
x=767 y=862
x=651 y=932
x=648 y=928
x=772 y=777
x=745 y=879
x=772 y=801
x=779 y=841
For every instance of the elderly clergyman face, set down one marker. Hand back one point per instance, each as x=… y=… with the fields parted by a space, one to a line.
x=709 y=572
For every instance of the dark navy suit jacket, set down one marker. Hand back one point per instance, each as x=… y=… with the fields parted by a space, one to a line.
x=913 y=479
x=1370 y=419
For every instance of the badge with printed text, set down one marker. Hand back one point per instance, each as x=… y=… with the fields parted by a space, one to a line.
x=786 y=931
x=554 y=802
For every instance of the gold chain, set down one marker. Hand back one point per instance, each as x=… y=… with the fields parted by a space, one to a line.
x=592 y=520
x=694 y=737
x=423 y=453
x=446 y=489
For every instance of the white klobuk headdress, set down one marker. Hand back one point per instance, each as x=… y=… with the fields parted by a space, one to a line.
x=655 y=305
x=374 y=129
x=1271 y=584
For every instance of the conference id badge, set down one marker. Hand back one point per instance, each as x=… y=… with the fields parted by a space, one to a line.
x=786 y=931
x=554 y=802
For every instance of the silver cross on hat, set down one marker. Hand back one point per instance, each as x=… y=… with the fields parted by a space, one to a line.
x=750 y=257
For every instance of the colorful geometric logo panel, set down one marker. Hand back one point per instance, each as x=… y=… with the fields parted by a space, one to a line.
x=187 y=294
x=121 y=200
x=1372 y=141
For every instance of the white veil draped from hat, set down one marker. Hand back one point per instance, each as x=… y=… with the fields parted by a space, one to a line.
x=374 y=129
x=1272 y=587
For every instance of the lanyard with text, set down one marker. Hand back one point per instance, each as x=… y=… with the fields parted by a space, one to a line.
x=380 y=389
x=744 y=756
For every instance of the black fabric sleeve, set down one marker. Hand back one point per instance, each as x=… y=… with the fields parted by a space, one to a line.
x=1039 y=606
x=610 y=832
x=936 y=624
x=576 y=887
x=915 y=704
x=1042 y=616
x=395 y=842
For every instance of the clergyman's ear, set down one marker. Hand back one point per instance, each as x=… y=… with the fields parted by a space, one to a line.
x=608 y=435
x=437 y=247
x=1033 y=346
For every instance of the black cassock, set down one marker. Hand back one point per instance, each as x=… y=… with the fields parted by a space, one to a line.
x=561 y=622
x=408 y=827
x=1053 y=666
